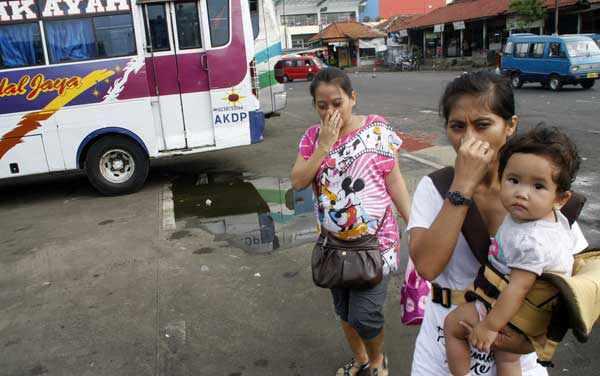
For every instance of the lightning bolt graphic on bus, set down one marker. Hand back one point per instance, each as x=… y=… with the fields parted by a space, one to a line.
x=29 y=122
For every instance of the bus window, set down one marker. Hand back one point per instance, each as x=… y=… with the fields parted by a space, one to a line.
x=159 y=30
x=218 y=15
x=114 y=35
x=70 y=40
x=89 y=38
x=20 y=45
x=188 y=25
x=254 y=16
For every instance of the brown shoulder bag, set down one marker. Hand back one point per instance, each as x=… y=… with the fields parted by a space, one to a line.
x=355 y=264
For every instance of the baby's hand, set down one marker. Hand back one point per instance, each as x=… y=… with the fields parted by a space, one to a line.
x=482 y=338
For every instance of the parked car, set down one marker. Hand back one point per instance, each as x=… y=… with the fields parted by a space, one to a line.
x=551 y=60
x=291 y=68
x=595 y=37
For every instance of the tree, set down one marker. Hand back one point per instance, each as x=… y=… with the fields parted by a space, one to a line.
x=528 y=11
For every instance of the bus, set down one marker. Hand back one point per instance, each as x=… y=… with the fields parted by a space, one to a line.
x=107 y=85
x=267 y=44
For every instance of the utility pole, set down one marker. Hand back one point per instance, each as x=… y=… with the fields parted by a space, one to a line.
x=556 y=17
x=285 y=22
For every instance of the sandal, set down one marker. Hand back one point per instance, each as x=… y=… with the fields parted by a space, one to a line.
x=383 y=371
x=353 y=369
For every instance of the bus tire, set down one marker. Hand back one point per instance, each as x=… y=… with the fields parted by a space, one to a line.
x=516 y=81
x=554 y=83
x=587 y=84
x=116 y=165
x=285 y=79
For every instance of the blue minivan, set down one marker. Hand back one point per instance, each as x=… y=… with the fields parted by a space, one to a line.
x=551 y=60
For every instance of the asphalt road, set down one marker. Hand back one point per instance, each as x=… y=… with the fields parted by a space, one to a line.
x=161 y=283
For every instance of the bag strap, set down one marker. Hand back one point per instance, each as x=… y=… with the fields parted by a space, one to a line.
x=474 y=229
x=572 y=209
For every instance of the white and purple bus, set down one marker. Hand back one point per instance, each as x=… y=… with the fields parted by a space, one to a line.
x=107 y=85
x=267 y=45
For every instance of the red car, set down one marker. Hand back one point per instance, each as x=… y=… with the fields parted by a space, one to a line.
x=292 y=68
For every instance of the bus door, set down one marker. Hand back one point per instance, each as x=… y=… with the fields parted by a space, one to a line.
x=232 y=78
x=177 y=64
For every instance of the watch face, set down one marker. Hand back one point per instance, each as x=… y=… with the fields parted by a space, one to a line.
x=456 y=198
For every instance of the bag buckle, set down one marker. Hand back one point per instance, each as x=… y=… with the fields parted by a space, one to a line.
x=441 y=295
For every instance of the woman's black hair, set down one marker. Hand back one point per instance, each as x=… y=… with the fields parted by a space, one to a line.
x=494 y=90
x=334 y=76
x=548 y=142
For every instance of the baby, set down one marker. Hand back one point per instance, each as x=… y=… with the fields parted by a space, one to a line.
x=536 y=171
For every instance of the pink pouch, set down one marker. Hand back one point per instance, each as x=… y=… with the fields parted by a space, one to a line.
x=413 y=295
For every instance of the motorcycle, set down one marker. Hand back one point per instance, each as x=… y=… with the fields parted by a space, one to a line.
x=406 y=63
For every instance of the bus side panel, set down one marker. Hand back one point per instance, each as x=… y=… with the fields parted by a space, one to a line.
x=268 y=52
x=199 y=127
x=52 y=146
x=77 y=123
x=25 y=158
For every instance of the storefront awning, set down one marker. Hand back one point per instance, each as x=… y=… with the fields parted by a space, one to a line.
x=472 y=10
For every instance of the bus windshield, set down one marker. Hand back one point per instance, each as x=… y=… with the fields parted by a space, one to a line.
x=582 y=48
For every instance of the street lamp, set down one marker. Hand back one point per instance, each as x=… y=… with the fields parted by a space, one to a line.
x=321 y=10
x=285 y=22
x=556 y=17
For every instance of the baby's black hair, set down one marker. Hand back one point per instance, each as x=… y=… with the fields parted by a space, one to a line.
x=549 y=142
x=494 y=90
x=331 y=75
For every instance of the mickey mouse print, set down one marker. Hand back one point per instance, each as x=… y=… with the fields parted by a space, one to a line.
x=352 y=199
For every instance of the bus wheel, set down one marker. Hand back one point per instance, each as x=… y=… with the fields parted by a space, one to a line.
x=116 y=165
x=587 y=84
x=285 y=79
x=554 y=83
x=516 y=81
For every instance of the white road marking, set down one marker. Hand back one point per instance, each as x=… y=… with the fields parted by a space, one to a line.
x=167 y=208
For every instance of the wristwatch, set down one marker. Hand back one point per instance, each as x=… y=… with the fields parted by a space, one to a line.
x=457 y=199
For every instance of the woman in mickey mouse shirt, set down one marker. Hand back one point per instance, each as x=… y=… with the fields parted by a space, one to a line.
x=351 y=162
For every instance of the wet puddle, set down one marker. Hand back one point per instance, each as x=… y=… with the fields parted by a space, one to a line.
x=257 y=215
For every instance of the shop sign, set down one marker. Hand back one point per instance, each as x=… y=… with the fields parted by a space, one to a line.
x=459 y=25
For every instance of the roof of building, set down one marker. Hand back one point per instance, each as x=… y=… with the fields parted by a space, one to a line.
x=347 y=30
x=465 y=10
x=398 y=22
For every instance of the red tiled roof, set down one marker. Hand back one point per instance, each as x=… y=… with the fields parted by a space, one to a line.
x=400 y=22
x=465 y=10
x=347 y=30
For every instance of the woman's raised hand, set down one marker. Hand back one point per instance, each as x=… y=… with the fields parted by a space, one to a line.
x=472 y=164
x=330 y=130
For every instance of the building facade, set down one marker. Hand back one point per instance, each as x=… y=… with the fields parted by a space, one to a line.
x=369 y=10
x=476 y=30
x=302 y=19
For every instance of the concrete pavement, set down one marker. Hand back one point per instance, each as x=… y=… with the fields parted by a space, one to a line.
x=139 y=285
